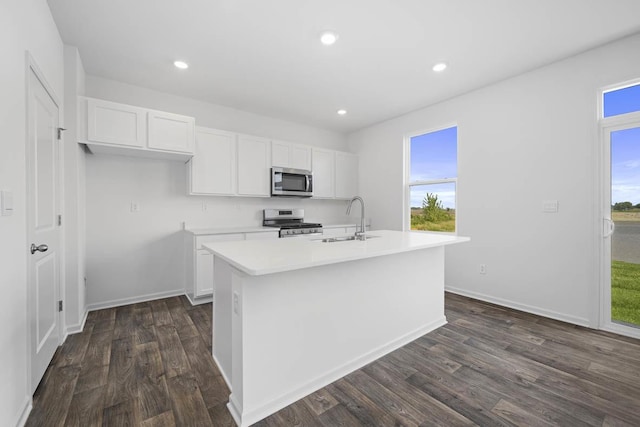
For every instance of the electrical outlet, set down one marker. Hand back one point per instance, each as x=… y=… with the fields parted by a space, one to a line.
x=204 y=206
x=135 y=207
x=235 y=303
x=483 y=268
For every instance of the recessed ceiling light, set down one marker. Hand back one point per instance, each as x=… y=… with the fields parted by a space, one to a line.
x=440 y=66
x=328 y=38
x=181 y=64
x=341 y=112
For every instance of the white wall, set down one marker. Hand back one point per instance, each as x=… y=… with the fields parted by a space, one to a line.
x=24 y=25
x=133 y=255
x=521 y=141
x=74 y=195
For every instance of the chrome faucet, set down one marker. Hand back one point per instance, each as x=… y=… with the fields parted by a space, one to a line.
x=359 y=234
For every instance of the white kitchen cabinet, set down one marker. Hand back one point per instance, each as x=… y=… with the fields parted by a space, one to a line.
x=254 y=166
x=346 y=175
x=323 y=168
x=289 y=155
x=212 y=170
x=204 y=273
x=280 y=154
x=113 y=123
x=171 y=132
x=199 y=265
x=114 y=128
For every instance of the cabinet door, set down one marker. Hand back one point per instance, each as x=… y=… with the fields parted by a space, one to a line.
x=114 y=123
x=300 y=157
x=254 y=166
x=213 y=166
x=204 y=273
x=346 y=175
x=280 y=154
x=323 y=168
x=171 y=132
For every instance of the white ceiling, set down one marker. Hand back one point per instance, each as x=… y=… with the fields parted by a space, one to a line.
x=264 y=56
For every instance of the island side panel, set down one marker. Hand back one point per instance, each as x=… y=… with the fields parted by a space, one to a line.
x=300 y=330
x=221 y=319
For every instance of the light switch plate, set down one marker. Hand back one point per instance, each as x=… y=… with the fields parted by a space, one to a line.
x=550 y=206
x=6 y=203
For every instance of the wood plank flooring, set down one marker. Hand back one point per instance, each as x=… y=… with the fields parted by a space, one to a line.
x=149 y=364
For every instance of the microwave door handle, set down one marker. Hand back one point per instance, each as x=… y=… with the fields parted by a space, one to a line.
x=306 y=178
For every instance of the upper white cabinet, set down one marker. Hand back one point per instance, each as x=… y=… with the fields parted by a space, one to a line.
x=171 y=132
x=212 y=170
x=346 y=175
x=323 y=168
x=113 y=123
x=289 y=155
x=116 y=128
x=254 y=166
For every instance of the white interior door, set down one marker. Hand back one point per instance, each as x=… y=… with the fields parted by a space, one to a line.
x=42 y=226
x=621 y=225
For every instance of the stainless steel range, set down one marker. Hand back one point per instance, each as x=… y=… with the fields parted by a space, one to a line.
x=290 y=222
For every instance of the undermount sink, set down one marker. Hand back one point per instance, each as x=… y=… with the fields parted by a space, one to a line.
x=343 y=239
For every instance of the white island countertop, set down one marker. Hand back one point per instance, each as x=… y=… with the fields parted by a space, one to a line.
x=261 y=257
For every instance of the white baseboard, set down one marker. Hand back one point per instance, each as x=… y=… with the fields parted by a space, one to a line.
x=522 y=307
x=627 y=331
x=224 y=375
x=246 y=419
x=27 y=405
x=198 y=301
x=134 y=300
x=74 y=329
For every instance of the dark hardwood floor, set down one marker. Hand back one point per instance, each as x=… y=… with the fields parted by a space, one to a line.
x=149 y=364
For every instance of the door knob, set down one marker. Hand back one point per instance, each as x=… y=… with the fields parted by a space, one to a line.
x=40 y=248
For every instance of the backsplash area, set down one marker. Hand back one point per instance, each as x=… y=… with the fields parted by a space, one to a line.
x=135 y=213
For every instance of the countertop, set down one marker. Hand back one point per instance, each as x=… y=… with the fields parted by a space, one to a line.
x=248 y=229
x=258 y=257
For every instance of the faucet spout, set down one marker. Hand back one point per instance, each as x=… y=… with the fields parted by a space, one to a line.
x=359 y=234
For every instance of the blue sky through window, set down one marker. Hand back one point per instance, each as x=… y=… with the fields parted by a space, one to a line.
x=625 y=146
x=434 y=155
x=621 y=101
x=625 y=166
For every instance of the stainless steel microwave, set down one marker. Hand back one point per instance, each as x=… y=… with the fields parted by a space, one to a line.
x=291 y=182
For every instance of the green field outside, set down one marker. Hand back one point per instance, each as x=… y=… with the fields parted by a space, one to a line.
x=625 y=292
x=419 y=221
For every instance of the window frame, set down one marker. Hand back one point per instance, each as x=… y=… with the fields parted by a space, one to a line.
x=407 y=183
x=613 y=88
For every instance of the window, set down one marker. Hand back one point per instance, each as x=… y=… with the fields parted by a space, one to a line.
x=621 y=101
x=431 y=181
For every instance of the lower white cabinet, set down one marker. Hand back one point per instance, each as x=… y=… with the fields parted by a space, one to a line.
x=199 y=261
x=204 y=273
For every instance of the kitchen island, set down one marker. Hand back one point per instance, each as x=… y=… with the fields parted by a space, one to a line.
x=293 y=315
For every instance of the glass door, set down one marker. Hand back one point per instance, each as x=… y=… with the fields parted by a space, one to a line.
x=621 y=229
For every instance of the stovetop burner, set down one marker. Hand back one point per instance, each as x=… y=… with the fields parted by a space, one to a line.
x=290 y=222
x=299 y=225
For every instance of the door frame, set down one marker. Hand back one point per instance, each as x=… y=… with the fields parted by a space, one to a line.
x=606 y=127
x=32 y=67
